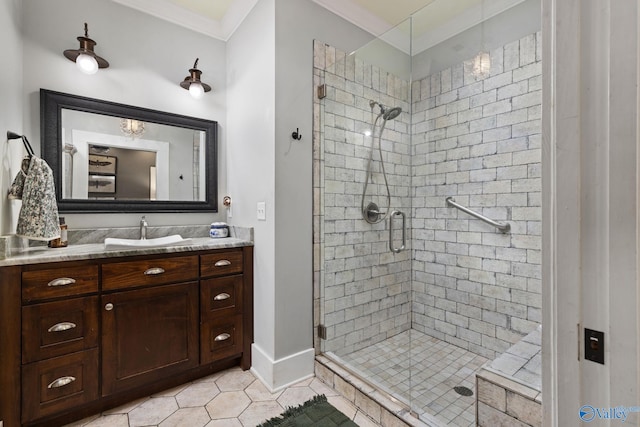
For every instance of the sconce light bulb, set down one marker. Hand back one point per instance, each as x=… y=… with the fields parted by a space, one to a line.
x=87 y=63
x=196 y=90
x=367 y=132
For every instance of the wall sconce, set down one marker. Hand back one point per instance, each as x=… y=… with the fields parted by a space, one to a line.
x=193 y=84
x=85 y=58
x=131 y=127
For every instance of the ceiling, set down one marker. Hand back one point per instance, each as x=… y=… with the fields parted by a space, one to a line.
x=439 y=21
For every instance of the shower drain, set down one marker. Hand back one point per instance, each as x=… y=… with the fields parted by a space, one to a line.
x=462 y=390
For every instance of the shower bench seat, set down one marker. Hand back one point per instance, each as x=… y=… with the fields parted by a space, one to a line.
x=509 y=388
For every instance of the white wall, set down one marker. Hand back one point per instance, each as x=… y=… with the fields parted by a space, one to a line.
x=590 y=205
x=148 y=58
x=298 y=23
x=10 y=106
x=251 y=174
x=270 y=60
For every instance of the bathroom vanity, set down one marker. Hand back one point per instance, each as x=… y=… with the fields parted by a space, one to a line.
x=91 y=331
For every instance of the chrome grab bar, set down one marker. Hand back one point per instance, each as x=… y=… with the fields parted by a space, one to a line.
x=404 y=231
x=505 y=228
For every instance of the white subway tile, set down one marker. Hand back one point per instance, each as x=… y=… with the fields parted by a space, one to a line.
x=445 y=80
x=512 y=55
x=527 y=49
x=498 y=107
x=512 y=117
x=497 y=81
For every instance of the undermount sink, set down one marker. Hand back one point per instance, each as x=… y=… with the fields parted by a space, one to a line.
x=159 y=242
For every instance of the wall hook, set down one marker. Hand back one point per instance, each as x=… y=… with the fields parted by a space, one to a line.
x=296 y=135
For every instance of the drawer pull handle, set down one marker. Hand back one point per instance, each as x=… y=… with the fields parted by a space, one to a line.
x=108 y=306
x=63 y=281
x=221 y=297
x=154 y=271
x=222 y=337
x=62 y=326
x=61 y=382
x=222 y=263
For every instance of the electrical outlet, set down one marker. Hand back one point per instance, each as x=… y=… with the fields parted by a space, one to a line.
x=262 y=211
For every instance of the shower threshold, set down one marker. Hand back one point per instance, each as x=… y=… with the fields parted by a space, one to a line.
x=426 y=385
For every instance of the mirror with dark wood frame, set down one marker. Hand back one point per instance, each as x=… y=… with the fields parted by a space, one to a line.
x=110 y=157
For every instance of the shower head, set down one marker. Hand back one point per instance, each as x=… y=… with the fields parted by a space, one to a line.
x=391 y=114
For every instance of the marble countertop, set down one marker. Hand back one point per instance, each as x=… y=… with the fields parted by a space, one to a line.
x=43 y=254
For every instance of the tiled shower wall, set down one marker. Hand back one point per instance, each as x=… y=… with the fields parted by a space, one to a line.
x=478 y=140
x=366 y=288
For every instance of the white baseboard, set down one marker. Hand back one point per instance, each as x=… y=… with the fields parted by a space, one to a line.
x=279 y=374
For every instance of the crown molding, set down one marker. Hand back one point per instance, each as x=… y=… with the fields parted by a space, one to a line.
x=357 y=15
x=346 y=9
x=169 y=11
x=238 y=11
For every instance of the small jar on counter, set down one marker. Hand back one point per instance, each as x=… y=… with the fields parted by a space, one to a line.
x=219 y=230
x=62 y=241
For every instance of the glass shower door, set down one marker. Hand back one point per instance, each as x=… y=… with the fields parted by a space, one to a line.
x=362 y=213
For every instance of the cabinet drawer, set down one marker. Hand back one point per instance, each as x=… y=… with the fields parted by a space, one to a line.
x=54 y=385
x=56 y=328
x=149 y=272
x=221 y=296
x=222 y=263
x=59 y=282
x=220 y=339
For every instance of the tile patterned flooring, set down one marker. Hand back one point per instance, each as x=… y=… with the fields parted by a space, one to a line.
x=435 y=368
x=231 y=398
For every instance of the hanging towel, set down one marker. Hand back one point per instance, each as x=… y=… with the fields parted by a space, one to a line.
x=38 y=218
x=15 y=191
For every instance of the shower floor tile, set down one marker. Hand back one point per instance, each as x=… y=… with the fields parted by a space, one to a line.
x=436 y=368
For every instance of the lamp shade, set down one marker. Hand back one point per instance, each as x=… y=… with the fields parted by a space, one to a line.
x=84 y=57
x=193 y=83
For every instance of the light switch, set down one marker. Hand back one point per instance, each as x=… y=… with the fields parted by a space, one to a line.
x=262 y=211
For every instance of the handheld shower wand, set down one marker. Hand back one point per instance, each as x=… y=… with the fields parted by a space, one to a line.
x=371 y=213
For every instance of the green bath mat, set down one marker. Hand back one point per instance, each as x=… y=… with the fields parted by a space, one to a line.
x=316 y=412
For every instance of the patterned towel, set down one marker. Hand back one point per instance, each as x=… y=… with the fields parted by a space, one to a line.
x=38 y=218
x=15 y=191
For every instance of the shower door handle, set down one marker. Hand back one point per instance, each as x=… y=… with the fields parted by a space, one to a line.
x=404 y=231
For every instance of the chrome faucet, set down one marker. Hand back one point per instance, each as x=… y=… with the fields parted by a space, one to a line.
x=143 y=228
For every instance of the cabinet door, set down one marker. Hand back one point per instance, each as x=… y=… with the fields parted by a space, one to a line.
x=148 y=334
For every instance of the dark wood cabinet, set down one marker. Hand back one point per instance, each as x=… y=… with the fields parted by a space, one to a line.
x=79 y=337
x=148 y=334
x=59 y=383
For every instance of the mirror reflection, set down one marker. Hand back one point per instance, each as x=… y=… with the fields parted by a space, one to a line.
x=114 y=158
